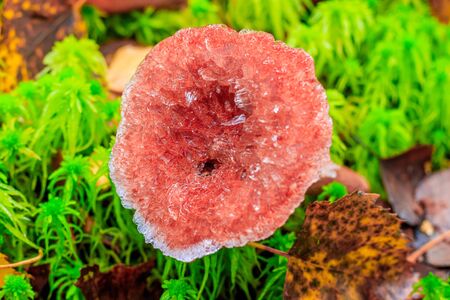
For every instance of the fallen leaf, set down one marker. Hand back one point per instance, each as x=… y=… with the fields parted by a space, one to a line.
x=346 y=176
x=433 y=193
x=123 y=65
x=6 y=271
x=400 y=175
x=121 y=282
x=28 y=31
x=343 y=247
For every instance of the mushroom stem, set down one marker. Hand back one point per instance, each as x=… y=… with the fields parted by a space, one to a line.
x=269 y=249
x=412 y=258
x=28 y=261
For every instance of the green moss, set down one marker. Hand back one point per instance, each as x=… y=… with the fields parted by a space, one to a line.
x=432 y=287
x=177 y=289
x=16 y=288
x=332 y=192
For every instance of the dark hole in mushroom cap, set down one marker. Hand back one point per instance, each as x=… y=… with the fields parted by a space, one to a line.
x=205 y=168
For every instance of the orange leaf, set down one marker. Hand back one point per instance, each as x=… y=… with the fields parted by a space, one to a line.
x=6 y=271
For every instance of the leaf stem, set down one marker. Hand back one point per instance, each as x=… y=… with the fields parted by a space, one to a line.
x=412 y=258
x=24 y=262
x=269 y=249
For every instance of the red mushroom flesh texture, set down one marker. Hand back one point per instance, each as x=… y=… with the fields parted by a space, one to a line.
x=222 y=132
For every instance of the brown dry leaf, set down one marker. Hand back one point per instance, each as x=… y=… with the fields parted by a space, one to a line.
x=6 y=271
x=344 y=247
x=121 y=282
x=28 y=30
x=441 y=9
x=433 y=193
x=123 y=66
x=400 y=175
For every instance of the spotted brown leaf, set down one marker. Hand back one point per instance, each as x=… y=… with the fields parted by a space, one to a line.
x=28 y=30
x=343 y=248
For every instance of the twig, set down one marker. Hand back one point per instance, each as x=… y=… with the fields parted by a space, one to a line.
x=412 y=258
x=269 y=249
x=28 y=261
x=285 y=254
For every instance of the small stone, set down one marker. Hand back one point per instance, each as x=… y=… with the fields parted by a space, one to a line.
x=195 y=153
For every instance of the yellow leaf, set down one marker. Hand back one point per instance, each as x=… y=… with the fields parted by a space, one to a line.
x=343 y=248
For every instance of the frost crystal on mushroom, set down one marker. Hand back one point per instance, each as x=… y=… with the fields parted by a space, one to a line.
x=222 y=132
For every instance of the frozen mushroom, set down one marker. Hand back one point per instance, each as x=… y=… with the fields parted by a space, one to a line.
x=222 y=133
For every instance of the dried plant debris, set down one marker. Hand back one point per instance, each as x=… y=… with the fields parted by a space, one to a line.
x=433 y=193
x=400 y=175
x=121 y=282
x=343 y=248
x=28 y=30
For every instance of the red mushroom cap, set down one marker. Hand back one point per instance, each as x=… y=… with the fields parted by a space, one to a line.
x=222 y=132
